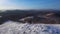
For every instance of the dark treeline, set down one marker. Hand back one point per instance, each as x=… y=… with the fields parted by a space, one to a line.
x=15 y=15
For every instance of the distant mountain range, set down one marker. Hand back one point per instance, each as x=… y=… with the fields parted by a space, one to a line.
x=35 y=16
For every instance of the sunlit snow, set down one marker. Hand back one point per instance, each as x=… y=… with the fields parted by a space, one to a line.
x=11 y=27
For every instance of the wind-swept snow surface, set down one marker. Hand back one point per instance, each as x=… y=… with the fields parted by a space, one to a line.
x=16 y=28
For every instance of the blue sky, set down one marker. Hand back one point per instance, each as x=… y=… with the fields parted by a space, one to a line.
x=29 y=4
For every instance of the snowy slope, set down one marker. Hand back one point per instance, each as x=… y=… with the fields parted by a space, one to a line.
x=16 y=28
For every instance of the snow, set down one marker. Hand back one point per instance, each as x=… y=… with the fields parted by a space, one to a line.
x=11 y=27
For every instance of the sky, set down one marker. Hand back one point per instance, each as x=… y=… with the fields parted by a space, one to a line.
x=29 y=4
